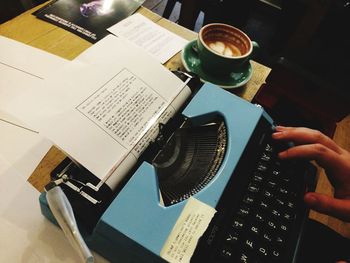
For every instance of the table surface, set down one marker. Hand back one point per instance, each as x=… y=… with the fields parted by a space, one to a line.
x=28 y=29
x=30 y=237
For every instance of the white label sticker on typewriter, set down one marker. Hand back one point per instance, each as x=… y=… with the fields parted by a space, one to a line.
x=189 y=227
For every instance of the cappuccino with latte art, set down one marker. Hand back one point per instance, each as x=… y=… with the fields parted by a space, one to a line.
x=223 y=48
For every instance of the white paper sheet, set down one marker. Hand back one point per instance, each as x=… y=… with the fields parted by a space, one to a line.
x=4 y=165
x=189 y=227
x=22 y=68
x=26 y=236
x=154 y=39
x=98 y=111
x=22 y=144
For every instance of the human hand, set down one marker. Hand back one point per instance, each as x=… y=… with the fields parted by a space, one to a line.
x=313 y=145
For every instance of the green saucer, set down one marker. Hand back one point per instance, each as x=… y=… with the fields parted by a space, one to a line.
x=235 y=79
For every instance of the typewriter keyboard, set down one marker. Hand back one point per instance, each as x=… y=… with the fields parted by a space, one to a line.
x=263 y=223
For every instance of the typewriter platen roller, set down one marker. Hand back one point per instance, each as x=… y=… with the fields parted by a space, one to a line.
x=222 y=155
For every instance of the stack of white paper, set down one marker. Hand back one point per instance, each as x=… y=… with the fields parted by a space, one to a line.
x=22 y=68
x=102 y=109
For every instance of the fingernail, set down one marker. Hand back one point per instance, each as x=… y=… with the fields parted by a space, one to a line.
x=310 y=199
x=276 y=135
x=282 y=155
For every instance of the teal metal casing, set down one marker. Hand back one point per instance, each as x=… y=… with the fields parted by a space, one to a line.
x=135 y=226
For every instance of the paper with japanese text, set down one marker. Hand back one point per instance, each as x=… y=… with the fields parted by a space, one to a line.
x=189 y=227
x=100 y=107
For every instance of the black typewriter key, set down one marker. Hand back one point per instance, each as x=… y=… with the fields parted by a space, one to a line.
x=226 y=253
x=265 y=157
x=264 y=205
x=288 y=216
x=267 y=194
x=232 y=238
x=269 y=148
x=283 y=228
x=280 y=202
x=291 y=205
x=249 y=199
x=271 y=184
x=279 y=240
x=286 y=180
x=255 y=230
x=267 y=238
x=283 y=191
x=275 y=255
x=253 y=188
x=261 y=167
x=243 y=211
x=244 y=257
x=263 y=252
x=249 y=244
x=275 y=172
x=275 y=213
x=286 y=196
x=259 y=217
x=289 y=177
x=271 y=225
x=238 y=223
x=257 y=178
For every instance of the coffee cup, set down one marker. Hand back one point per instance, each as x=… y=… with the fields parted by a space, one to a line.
x=223 y=49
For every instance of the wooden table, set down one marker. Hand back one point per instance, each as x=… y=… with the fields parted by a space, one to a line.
x=28 y=29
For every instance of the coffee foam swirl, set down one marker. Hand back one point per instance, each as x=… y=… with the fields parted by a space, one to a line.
x=225 y=49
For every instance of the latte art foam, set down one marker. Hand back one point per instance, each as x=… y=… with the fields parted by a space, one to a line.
x=225 y=49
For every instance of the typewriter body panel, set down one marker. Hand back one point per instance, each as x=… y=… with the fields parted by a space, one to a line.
x=136 y=225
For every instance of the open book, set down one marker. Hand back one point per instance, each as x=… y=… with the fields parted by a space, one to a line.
x=103 y=108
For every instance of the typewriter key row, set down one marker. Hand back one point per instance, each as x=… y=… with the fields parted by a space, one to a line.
x=260 y=227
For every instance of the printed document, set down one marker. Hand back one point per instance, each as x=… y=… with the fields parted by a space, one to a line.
x=154 y=39
x=103 y=108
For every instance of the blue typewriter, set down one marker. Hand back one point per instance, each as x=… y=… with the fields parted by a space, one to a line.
x=219 y=151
